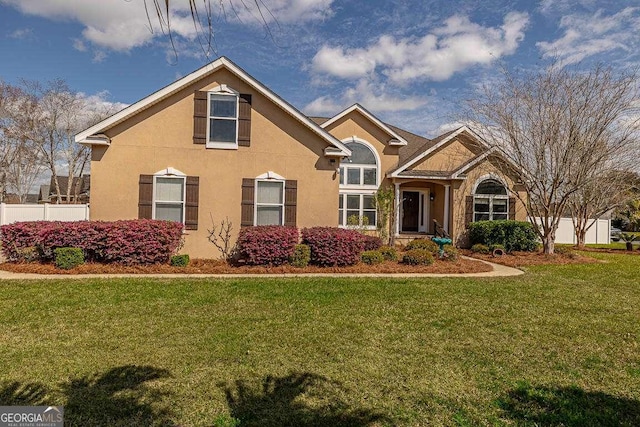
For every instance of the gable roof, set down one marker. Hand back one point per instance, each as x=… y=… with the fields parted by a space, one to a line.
x=93 y=135
x=429 y=147
x=396 y=138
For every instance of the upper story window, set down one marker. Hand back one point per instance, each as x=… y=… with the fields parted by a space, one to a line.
x=490 y=201
x=222 y=129
x=361 y=169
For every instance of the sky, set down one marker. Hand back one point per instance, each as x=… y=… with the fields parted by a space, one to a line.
x=411 y=63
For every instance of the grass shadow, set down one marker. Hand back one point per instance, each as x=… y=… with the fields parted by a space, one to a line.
x=568 y=407
x=118 y=397
x=298 y=399
x=17 y=394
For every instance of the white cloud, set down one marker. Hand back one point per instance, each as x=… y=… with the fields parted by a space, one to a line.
x=373 y=97
x=21 y=33
x=588 y=35
x=79 y=45
x=456 y=46
x=122 y=25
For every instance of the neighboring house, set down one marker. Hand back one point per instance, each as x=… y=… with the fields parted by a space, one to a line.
x=218 y=144
x=14 y=199
x=79 y=193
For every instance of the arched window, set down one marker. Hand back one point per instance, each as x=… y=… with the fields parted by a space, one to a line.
x=359 y=175
x=490 y=201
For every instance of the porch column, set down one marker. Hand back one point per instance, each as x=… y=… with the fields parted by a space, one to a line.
x=396 y=202
x=446 y=208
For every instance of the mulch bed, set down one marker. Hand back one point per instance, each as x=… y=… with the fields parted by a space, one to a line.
x=525 y=259
x=206 y=266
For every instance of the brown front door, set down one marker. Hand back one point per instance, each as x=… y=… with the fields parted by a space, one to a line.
x=410 y=210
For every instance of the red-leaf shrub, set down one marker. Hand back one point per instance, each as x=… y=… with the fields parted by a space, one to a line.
x=333 y=246
x=267 y=244
x=372 y=243
x=16 y=238
x=128 y=242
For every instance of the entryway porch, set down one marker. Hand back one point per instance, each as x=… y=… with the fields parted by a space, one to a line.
x=418 y=204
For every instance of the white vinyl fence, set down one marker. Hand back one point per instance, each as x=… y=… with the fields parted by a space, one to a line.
x=46 y=212
x=598 y=233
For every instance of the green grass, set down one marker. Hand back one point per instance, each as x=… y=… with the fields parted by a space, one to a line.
x=557 y=346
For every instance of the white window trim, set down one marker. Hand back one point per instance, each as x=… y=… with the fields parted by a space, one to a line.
x=343 y=195
x=491 y=197
x=222 y=90
x=344 y=166
x=178 y=175
x=268 y=177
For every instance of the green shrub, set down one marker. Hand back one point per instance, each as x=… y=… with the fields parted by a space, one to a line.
x=451 y=253
x=418 y=257
x=68 y=258
x=389 y=253
x=180 y=260
x=301 y=256
x=372 y=257
x=512 y=235
x=425 y=244
x=479 y=248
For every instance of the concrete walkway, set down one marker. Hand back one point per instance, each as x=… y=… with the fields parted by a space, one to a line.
x=498 y=271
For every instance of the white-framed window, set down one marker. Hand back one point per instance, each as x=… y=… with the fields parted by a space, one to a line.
x=359 y=180
x=222 y=112
x=269 y=206
x=168 y=197
x=361 y=169
x=361 y=207
x=490 y=201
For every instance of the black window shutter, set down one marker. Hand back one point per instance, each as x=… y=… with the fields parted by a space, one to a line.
x=145 y=197
x=512 y=208
x=191 y=203
x=200 y=118
x=290 y=202
x=248 y=194
x=244 y=120
x=468 y=211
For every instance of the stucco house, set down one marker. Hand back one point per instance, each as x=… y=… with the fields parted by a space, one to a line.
x=219 y=144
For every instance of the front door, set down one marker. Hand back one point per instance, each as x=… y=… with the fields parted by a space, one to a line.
x=410 y=210
x=414 y=211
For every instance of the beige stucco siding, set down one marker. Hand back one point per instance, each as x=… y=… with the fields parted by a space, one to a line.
x=447 y=158
x=162 y=137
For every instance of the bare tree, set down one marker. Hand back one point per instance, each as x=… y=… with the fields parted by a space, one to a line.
x=603 y=194
x=20 y=162
x=202 y=14
x=559 y=130
x=45 y=119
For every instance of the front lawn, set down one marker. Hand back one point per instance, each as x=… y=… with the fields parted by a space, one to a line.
x=557 y=346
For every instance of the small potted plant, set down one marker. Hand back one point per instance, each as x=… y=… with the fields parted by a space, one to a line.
x=628 y=238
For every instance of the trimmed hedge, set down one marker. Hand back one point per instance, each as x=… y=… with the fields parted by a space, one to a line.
x=139 y=241
x=333 y=246
x=372 y=257
x=425 y=244
x=301 y=256
x=180 y=260
x=479 y=248
x=451 y=253
x=418 y=257
x=267 y=244
x=389 y=253
x=513 y=235
x=68 y=258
